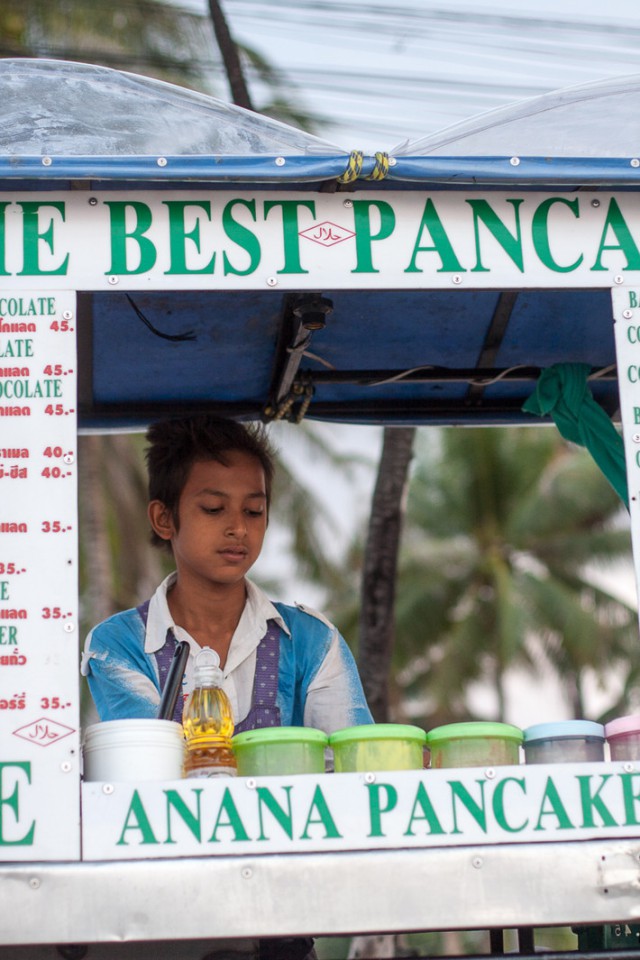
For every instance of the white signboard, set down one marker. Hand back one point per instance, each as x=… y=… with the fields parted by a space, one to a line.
x=626 y=314
x=39 y=769
x=432 y=808
x=228 y=240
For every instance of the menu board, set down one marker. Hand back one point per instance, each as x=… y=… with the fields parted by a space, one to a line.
x=39 y=689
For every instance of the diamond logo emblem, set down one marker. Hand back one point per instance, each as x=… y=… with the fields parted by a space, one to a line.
x=327 y=233
x=43 y=732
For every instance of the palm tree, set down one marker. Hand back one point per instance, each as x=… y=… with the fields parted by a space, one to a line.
x=506 y=532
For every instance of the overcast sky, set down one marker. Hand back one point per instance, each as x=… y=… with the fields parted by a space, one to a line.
x=380 y=71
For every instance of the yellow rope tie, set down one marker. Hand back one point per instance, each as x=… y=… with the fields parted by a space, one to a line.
x=381 y=168
x=304 y=406
x=354 y=168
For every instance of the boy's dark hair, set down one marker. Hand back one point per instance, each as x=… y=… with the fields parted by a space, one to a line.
x=175 y=445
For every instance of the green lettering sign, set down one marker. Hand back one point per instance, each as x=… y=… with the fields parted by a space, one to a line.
x=441 y=244
x=554 y=809
x=626 y=244
x=319 y=805
x=3 y=238
x=178 y=236
x=594 y=801
x=377 y=807
x=233 y=819
x=123 y=239
x=284 y=817
x=12 y=802
x=477 y=810
x=290 y=230
x=423 y=802
x=31 y=238
x=192 y=820
x=242 y=236
x=137 y=819
x=510 y=243
x=364 y=236
x=540 y=233
x=499 y=806
x=629 y=780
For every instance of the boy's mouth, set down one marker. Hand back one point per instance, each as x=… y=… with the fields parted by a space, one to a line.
x=233 y=553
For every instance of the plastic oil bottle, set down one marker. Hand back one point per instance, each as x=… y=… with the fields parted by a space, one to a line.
x=208 y=722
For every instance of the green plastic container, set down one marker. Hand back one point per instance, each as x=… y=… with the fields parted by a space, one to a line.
x=279 y=751
x=378 y=746
x=474 y=745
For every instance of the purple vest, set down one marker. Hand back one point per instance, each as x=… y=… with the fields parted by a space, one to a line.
x=264 y=712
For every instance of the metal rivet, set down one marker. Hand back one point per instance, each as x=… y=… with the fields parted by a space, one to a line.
x=65 y=766
x=392 y=161
x=628 y=767
x=627 y=314
x=490 y=773
x=636 y=438
x=46 y=161
x=515 y=161
x=456 y=278
x=369 y=778
x=93 y=201
x=250 y=784
x=69 y=627
x=635 y=162
x=477 y=862
x=34 y=883
x=595 y=203
x=67 y=315
x=347 y=203
x=107 y=788
x=161 y=161
x=69 y=458
x=272 y=281
x=280 y=161
x=246 y=873
x=618 y=279
x=113 y=280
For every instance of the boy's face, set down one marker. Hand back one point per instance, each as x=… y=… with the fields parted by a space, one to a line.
x=222 y=517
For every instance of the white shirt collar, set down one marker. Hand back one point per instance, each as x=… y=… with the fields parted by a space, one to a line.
x=251 y=628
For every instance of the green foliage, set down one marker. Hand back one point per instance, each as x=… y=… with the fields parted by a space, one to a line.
x=505 y=531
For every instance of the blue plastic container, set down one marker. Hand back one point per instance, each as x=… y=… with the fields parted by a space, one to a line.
x=566 y=741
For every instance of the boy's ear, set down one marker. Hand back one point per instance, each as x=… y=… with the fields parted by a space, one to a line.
x=160 y=519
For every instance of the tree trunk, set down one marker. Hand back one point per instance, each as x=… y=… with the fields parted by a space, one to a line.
x=230 y=57
x=380 y=568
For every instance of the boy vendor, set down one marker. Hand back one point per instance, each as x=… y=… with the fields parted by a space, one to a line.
x=209 y=491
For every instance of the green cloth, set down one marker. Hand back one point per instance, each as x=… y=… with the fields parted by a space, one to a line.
x=562 y=391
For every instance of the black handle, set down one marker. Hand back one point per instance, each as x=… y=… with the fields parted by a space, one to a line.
x=173 y=681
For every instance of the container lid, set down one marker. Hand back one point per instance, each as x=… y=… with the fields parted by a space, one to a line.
x=479 y=729
x=622 y=725
x=378 y=731
x=564 y=729
x=273 y=735
x=130 y=730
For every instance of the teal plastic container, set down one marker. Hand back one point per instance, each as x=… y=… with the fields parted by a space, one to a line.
x=566 y=741
x=378 y=746
x=475 y=744
x=279 y=751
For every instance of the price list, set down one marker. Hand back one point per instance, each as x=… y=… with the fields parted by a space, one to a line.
x=39 y=688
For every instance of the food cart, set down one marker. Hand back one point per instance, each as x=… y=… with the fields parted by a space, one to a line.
x=163 y=252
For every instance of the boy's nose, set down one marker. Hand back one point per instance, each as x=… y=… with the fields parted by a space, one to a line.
x=237 y=526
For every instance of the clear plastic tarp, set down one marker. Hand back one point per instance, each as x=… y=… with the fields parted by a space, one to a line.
x=56 y=108
x=599 y=120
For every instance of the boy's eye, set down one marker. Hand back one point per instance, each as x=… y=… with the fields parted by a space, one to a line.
x=212 y=509
x=255 y=513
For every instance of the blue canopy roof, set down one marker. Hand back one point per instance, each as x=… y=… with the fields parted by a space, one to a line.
x=411 y=355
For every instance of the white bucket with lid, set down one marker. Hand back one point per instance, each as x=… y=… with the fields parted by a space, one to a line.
x=133 y=750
